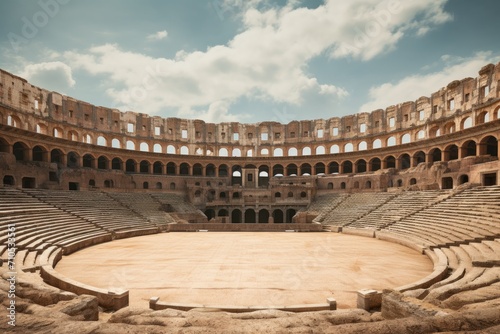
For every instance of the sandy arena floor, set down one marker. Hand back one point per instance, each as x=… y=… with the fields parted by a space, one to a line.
x=246 y=268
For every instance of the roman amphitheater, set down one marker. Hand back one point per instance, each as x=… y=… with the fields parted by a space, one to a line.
x=380 y=222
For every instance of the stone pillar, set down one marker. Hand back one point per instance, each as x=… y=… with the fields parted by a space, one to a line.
x=369 y=299
x=271 y=219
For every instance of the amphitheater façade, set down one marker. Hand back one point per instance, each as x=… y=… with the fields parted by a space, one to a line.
x=423 y=174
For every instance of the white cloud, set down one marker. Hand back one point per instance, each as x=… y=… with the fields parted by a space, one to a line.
x=55 y=75
x=415 y=86
x=267 y=60
x=157 y=36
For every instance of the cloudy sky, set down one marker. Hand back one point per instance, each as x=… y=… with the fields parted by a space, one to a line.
x=247 y=60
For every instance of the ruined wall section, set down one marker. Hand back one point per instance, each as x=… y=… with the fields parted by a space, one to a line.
x=51 y=113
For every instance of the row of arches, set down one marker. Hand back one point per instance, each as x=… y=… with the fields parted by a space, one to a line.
x=253 y=216
x=487 y=146
x=181 y=149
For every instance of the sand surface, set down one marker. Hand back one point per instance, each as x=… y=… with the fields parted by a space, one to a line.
x=245 y=268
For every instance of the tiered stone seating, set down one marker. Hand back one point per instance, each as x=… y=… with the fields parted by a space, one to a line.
x=399 y=207
x=176 y=202
x=95 y=207
x=355 y=207
x=469 y=216
x=475 y=280
x=39 y=225
x=144 y=205
x=323 y=204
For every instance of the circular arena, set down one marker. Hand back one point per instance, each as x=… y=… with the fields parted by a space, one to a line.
x=380 y=222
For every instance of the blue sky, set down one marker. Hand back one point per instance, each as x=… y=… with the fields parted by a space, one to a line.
x=247 y=60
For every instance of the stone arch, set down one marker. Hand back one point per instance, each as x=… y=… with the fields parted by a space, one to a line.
x=347 y=167
x=362 y=146
x=116 y=143
x=73 y=160
x=56 y=156
x=320 y=150
x=291 y=169
x=236 y=216
x=292 y=152
x=333 y=167
x=130 y=166
x=390 y=162
x=102 y=162
x=223 y=152
x=305 y=169
x=20 y=151
x=278 y=152
x=157 y=148
x=466 y=123
x=101 y=141
x=349 y=147
x=360 y=166
x=451 y=152
x=404 y=161
x=236 y=175
x=157 y=167
x=290 y=213
x=489 y=146
x=184 y=150
x=375 y=164
x=406 y=138
x=377 y=143
x=171 y=149
x=278 y=170
x=278 y=216
x=117 y=164
x=171 y=168
x=223 y=170
x=469 y=149
x=418 y=158
x=197 y=169
x=236 y=152
x=334 y=149
x=130 y=145
x=306 y=151
x=263 y=216
x=263 y=176
x=319 y=168
x=144 y=167
x=210 y=170
x=184 y=168
x=88 y=161
x=435 y=155
x=391 y=141
x=39 y=153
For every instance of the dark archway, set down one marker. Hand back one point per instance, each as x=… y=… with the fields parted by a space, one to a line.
x=236 y=216
x=278 y=216
x=130 y=166
x=263 y=216
x=19 y=149
x=117 y=164
x=102 y=162
x=39 y=153
x=289 y=215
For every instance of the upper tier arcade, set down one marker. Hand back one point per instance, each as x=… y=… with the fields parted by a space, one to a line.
x=460 y=105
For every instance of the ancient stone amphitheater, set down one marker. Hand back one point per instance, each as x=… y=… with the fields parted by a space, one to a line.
x=423 y=174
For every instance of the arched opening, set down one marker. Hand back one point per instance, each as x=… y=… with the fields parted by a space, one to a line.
x=399 y=183
x=418 y=158
x=28 y=182
x=368 y=185
x=73 y=160
x=116 y=164
x=333 y=167
x=462 y=179
x=184 y=168
x=435 y=155
x=343 y=186
x=413 y=181
x=390 y=162
x=361 y=166
x=4 y=146
x=130 y=166
x=375 y=164
x=145 y=185
x=356 y=185
x=278 y=170
x=329 y=186
x=319 y=168
x=290 y=213
x=223 y=171
x=39 y=153
x=277 y=194
x=263 y=176
x=172 y=186
x=88 y=161
x=469 y=149
x=210 y=170
x=236 y=195
x=236 y=176
x=102 y=162
x=263 y=216
x=405 y=161
x=278 y=216
x=171 y=168
x=236 y=216
x=291 y=169
x=290 y=194
x=91 y=183
x=250 y=216
x=222 y=195
x=347 y=167
x=157 y=167
x=305 y=169
x=56 y=156
x=197 y=170
x=489 y=146
x=20 y=151
x=451 y=153
x=144 y=167
x=159 y=185
x=303 y=195
x=108 y=184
